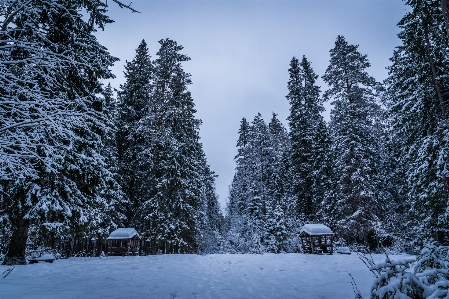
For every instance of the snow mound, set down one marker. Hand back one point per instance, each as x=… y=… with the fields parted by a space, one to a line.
x=123 y=233
x=316 y=229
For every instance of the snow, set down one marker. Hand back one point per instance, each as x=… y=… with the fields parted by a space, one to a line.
x=43 y=258
x=316 y=229
x=193 y=276
x=343 y=250
x=52 y=224
x=123 y=233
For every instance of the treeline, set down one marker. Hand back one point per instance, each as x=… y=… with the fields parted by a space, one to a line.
x=377 y=173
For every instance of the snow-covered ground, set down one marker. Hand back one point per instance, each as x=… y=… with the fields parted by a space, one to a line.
x=192 y=276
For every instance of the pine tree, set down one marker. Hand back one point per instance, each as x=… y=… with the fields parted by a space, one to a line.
x=52 y=126
x=308 y=135
x=134 y=136
x=417 y=93
x=352 y=202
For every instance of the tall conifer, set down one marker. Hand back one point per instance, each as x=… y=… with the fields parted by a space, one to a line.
x=172 y=209
x=309 y=140
x=51 y=164
x=259 y=193
x=417 y=97
x=133 y=136
x=352 y=202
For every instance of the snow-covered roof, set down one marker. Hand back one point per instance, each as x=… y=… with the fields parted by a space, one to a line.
x=316 y=229
x=123 y=233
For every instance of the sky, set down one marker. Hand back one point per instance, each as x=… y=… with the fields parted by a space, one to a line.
x=240 y=52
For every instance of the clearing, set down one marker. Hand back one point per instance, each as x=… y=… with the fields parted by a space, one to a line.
x=193 y=276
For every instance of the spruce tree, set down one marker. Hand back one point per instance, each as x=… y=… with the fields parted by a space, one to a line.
x=309 y=140
x=417 y=98
x=238 y=193
x=172 y=209
x=352 y=202
x=133 y=136
x=278 y=187
x=249 y=194
x=170 y=188
x=260 y=145
x=241 y=182
x=279 y=182
x=211 y=220
x=51 y=165
x=259 y=193
x=397 y=218
x=117 y=201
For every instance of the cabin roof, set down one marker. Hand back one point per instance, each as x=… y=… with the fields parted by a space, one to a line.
x=123 y=233
x=316 y=229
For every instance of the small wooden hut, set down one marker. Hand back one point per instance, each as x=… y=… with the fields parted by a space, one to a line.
x=317 y=238
x=123 y=241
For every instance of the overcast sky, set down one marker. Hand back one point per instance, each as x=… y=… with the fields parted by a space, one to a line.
x=241 y=51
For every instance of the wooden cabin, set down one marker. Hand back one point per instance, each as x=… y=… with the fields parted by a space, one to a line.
x=317 y=238
x=123 y=241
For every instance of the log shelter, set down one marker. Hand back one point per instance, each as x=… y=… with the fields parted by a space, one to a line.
x=123 y=241
x=317 y=238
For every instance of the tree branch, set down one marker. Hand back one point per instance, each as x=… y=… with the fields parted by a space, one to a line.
x=445 y=10
x=122 y=5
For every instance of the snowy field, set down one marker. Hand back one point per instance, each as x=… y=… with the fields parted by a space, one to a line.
x=192 y=276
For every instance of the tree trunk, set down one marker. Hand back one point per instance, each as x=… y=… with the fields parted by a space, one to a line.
x=17 y=246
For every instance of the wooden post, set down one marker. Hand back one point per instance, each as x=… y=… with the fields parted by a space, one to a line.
x=332 y=244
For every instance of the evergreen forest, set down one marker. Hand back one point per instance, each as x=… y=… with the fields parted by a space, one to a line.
x=79 y=159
